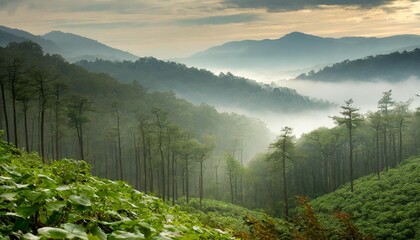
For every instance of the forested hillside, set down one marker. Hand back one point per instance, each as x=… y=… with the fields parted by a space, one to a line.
x=385 y=208
x=201 y=86
x=319 y=161
x=155 y=141
x=392 y=67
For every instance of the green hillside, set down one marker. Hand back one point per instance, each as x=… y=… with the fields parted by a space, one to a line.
x=393 y=67
x=64 y=201
x=386 y=209
x=202 y=86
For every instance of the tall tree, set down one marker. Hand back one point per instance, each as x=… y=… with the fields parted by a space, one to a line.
x=161 y=124
x=283 y=148
x=76 y=112
x=233 y=168
x=384 y=105
x=350 y=116
x=42 y=80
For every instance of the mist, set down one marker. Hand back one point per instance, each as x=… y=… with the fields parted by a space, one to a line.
x=364 y=94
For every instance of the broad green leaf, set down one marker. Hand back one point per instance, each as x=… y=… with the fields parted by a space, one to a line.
x=8 y=196
x=55 y=206
x=46 y=178
x=53 y=233
x=125 y=235
x=63 y=188
x=27 y=211
x=75 y=231
x=80 y=200
x=35 y=197
x=97 y=232
x=30 y=236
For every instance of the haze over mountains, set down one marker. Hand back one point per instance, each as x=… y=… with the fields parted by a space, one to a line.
x=225 y=91
x=296 y=51
x=72 y=47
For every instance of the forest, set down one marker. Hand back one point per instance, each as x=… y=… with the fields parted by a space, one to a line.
x=199 y=85
x=187 y=154
x=393 y=67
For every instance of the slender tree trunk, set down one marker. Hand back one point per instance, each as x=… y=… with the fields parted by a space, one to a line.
x=25 y=122
x=351 y=156
x=400 y=142
x=378 y=161
x=394 y=151
x=286 y=202
x=168 y=166
x=187 y=179
x=201 y=182
x=150 y=165
x=174 y=182
x=137 y=160
x=14 y=112
x=385 y=150
x=6 y=119
x=57 y=129
x=42 y=129
x=120 y=165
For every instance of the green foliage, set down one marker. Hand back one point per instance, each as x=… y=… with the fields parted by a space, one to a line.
x=242 y=222
x=386 y=208
x=64 y=201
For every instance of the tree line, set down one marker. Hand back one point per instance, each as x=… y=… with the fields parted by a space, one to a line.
x=323 y=159
x=159 y=143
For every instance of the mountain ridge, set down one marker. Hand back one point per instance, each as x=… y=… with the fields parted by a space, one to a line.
x=71 y=46
x=296 y=50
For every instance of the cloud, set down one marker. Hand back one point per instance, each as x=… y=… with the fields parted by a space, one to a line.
x=121 y=6
x=294 y=5
x=220 y=20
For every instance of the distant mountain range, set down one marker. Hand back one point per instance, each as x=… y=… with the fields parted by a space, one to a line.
x=72 y=47
x=225 y=91
x=391 y=67
x=296 y=51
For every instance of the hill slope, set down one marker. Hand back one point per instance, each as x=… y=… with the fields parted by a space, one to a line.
x=78 y=48
x=387 y=208
x=63 y=201
x=201 y=86
x=295 y=51
x=72 y=47
x=392 y=67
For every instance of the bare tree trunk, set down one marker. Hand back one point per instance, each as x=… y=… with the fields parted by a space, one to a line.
x=6 y=120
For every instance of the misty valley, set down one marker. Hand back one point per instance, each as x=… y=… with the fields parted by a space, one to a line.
x=300 y=137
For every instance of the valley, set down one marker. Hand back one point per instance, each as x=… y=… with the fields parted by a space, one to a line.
x=218 y=119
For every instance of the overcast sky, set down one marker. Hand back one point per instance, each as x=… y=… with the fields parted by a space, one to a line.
x=177 y=28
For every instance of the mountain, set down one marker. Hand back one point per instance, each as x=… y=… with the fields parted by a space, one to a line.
x=295 y=50
x=17 y=35
x=225 y=91
x=72 y=47
x=78 y=48
x=392 y=67
x=386 y=208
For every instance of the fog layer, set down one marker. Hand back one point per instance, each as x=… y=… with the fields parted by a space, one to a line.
x=365 y=95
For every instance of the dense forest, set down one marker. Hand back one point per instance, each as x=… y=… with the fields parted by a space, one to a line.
x=201 y=86
x=155 y=141
x=184 y=153
x=393 y=67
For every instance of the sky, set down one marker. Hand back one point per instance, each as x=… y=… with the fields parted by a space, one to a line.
x=178 y=28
